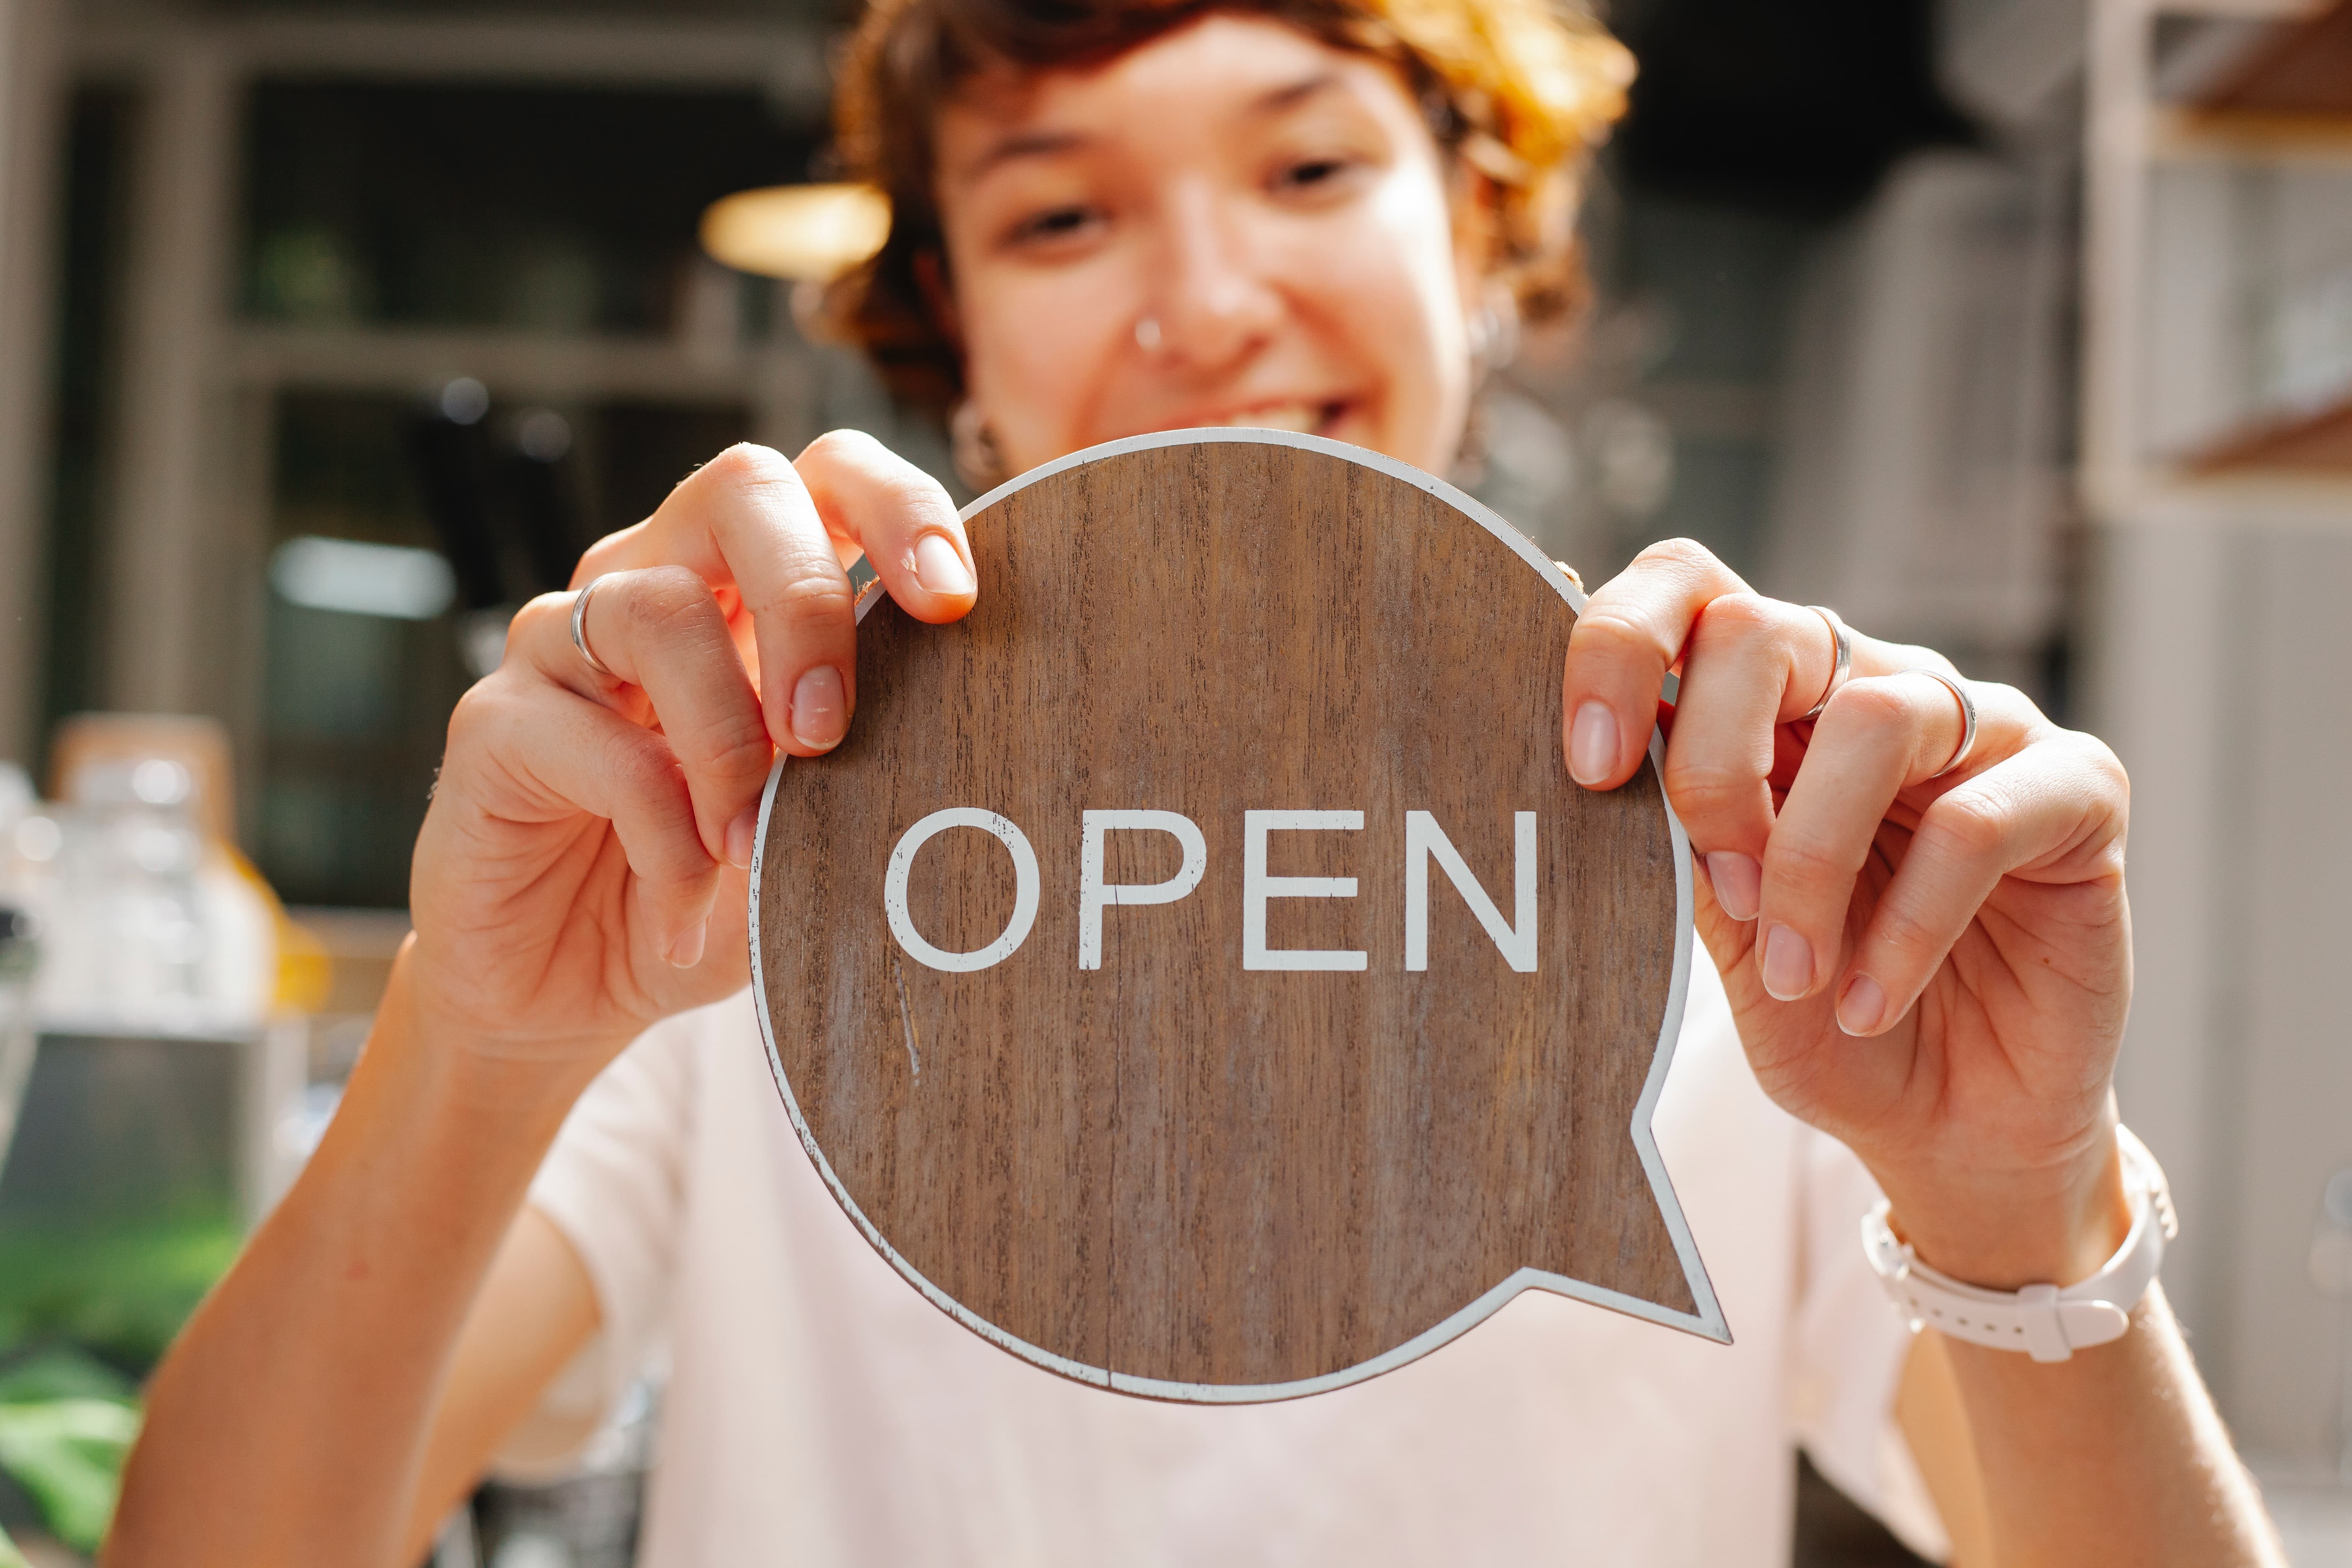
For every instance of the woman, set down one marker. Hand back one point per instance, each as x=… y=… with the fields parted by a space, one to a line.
x=1114 y=220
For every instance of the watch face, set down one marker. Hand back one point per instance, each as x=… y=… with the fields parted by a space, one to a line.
x=1197 y=972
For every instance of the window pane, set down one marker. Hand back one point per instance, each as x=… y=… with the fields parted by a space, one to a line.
x=368 y=608
x=555 y=209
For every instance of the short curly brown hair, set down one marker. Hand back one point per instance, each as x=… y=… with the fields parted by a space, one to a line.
x=1516 y=91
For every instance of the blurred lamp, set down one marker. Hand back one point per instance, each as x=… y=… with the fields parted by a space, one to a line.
x=358 y=579
x=808 y=233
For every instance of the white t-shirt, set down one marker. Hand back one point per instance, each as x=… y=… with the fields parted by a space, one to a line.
x=819 y=1411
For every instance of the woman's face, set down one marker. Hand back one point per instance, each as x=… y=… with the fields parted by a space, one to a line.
x=1235 y=224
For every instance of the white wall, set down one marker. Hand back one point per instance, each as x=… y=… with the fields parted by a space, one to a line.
x=1918 y=486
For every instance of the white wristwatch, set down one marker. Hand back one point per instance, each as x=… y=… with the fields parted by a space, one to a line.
x=2045 y=1321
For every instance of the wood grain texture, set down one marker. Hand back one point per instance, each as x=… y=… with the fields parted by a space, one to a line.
x=1170 y=1166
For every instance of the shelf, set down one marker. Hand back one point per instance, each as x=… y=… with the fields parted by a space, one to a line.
x=2266 y=89
x=2318 y=442
x=2179 y=135
x=2298 y=71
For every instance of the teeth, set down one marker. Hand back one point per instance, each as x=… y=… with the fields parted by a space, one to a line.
x=1302 y=417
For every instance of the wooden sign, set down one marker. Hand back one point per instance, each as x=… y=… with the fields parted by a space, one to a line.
x=1197 y=972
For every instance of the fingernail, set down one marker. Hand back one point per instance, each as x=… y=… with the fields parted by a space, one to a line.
x=740 y=834
x=1788 y=964
x=1593 y=744
x=820 y=716
x=940 y=569
x=686 y=951
x=1862 y=1006
x=1739 y=883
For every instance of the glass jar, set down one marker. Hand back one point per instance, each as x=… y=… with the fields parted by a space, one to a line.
x=19 y=953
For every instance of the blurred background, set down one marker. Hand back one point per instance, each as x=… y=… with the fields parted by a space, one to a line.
x=331 y=330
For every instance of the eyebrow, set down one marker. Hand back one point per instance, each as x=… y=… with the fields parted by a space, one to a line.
x=1053 y=144
x=1297 y=93
x=1025 y=144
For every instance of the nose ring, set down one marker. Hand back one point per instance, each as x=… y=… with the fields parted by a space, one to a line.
x=1146 y=333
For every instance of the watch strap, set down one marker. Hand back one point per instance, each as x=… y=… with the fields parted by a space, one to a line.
x=2046 y=1323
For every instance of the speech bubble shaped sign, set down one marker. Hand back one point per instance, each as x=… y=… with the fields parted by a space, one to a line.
x=1196 y=972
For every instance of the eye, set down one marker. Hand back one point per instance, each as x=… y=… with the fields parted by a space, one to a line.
x=1054 y=223
x=1313 y=175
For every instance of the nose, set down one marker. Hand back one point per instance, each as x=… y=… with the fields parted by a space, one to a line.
x=1211 y=305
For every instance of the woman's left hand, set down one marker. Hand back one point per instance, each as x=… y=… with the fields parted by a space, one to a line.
x=1932 y=966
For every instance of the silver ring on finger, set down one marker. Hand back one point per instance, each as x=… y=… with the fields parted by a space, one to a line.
x=580 y=629
x=1967 y=716
x=1841 y=660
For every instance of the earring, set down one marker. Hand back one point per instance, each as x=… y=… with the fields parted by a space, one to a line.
x=972 y=444
x=1146 y=333
x=1495 y=329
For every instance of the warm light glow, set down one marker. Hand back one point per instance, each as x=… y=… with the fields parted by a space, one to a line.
x=811 y=233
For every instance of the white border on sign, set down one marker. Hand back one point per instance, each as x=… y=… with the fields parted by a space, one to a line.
x=1706 y=1322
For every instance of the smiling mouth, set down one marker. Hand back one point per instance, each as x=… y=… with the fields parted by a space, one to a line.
x=1306 y=418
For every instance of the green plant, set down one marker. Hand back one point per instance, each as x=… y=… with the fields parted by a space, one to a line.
x=65 y=1425
x=121 y=1286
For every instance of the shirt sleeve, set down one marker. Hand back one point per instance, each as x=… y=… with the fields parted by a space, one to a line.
x=614 y=1183
x=1850 y=1346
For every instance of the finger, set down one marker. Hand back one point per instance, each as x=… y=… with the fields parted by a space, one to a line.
x=748 y=520
x=569 y=753
x=2056 y=808
x=1744 y=673
x=1878 y=735
x=1630 y=633
x=662 y=631
x=870 y=500
x=745 y=520
x=899 y=516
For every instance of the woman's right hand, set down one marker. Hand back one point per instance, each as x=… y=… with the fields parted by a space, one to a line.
x=579 y=875
x=582 y=871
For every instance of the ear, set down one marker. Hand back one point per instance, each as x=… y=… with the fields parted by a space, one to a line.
x=1477 y=233
x=938 y=296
